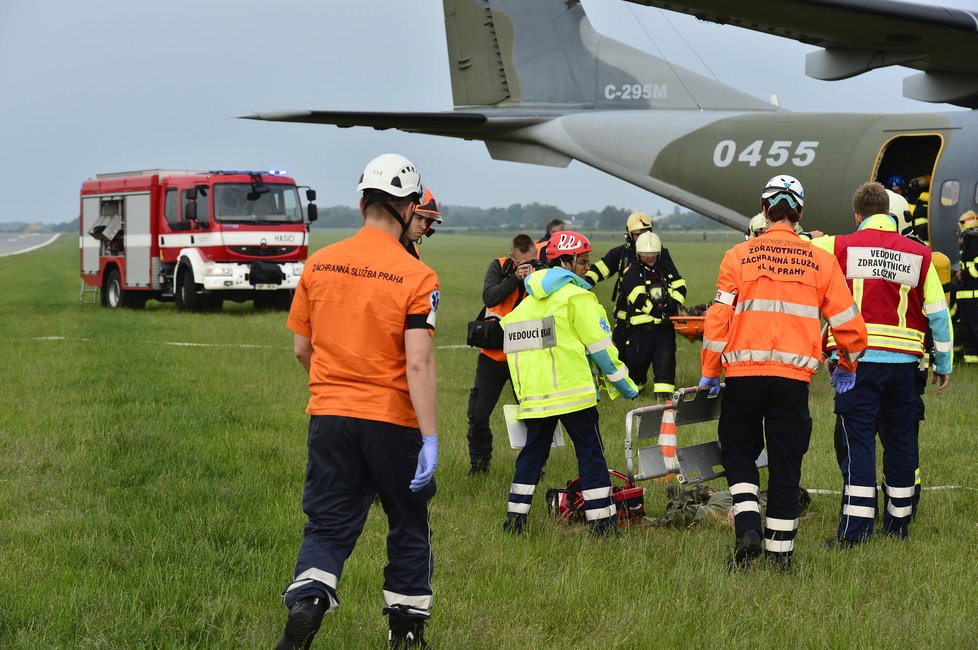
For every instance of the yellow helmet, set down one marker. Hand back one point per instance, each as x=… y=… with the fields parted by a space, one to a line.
x=638 y=221
x=758 y=224
x=968 y=221
x=648 y=243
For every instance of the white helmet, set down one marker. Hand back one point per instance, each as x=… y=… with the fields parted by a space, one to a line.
x=391 y=173
x=899 y=209
x=648 y=243
x=758 y=224
x=785 y=185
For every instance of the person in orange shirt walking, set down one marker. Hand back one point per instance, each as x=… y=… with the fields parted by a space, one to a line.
x=764 y=332
x=363 y=319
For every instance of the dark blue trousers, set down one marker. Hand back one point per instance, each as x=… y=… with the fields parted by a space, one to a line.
x=883 y=398
x=351 y=461
x=582 y=427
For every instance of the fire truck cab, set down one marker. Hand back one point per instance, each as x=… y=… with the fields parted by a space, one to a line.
x=196 y=238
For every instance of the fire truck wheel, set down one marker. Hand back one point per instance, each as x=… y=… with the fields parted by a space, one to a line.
x=187 y=298
x=112 y=291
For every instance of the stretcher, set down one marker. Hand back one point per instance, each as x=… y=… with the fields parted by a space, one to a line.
x=690 y=327
x=691 y=464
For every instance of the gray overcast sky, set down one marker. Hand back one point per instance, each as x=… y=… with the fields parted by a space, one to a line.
x=111 y=85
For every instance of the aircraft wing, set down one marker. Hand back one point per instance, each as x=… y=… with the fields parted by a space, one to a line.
x=857 y=36
x=458 y=124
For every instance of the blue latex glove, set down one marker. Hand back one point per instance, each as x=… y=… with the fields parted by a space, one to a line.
x=713 y=383
x=427 y=462
x=843 y=380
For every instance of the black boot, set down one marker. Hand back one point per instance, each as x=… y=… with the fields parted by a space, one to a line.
x=406 y=632
x=747 y=549
x=305 y=617
x=515 y=524
x=479 y=468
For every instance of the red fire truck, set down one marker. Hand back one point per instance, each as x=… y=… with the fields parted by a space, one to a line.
x=197 y=238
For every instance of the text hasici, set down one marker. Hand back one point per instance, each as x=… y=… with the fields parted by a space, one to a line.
x=780 y=259
x=358 y=272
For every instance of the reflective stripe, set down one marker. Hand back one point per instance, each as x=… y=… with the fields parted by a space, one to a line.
x=619 y=374
x=777 y=307
x=844 y=317
x=671 y=462
x=743 y=488
x=667 y=440
x=669 y=416
x=779 y=545
x=421 y=604
x=763 y=356
x=518 y=508
x=858 y=511
x=310 y=575
x=783 y=525
x=600 y=513
x=898 y=513
x=663 y=388
x=860 y=491
x=636 y=292
x=596 y=493
x=746 y=506
x=943 y=346
x=642 y=319
x=563 y=393
x=853 y=357
x=900 y=492
x=935 y=307
x=964 y=295
x=554 y=407
x=522 y=488
x=597 y=346
x=714 y=346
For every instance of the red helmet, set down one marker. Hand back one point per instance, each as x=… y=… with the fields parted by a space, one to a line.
x=567 y=242
x=428 y=208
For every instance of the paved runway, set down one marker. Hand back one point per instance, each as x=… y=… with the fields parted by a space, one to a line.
x=14 y=243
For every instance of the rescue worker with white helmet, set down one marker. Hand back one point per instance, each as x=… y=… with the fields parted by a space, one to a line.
x=552 y=340
x=644 y=334
x=763 y=331
x=966 y=294
x=616 y=260
x=363 y=319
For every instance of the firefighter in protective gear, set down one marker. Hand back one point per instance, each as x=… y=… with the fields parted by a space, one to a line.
x=757 y=225
x=900 y=297
x=643 y=332
x=616 y=260
x=920 y=219
x=764 y=332
x=553 y=340
x=421 y=224
x=966 y=294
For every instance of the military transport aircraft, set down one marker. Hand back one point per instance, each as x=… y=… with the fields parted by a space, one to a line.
x=537 y=84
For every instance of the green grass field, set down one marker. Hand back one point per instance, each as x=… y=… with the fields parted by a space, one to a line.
x=151 y=465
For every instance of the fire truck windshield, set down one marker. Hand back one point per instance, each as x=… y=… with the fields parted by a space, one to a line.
x=274 y=203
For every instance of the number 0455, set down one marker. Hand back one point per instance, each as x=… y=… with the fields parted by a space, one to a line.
x=778 y=153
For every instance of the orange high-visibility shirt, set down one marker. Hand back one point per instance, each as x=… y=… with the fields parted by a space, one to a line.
x=770 y=294
x=354 y=301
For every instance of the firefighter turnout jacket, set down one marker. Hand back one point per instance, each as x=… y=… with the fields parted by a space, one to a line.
x=898 y=292
x=650 y=294
x=501 y=292
x=765 y=321
x=552 y=339
x=619 y=258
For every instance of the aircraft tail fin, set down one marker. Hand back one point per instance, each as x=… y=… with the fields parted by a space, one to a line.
x=544 y=54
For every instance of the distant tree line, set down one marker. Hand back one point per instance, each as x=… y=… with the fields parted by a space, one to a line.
x=531 y=218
